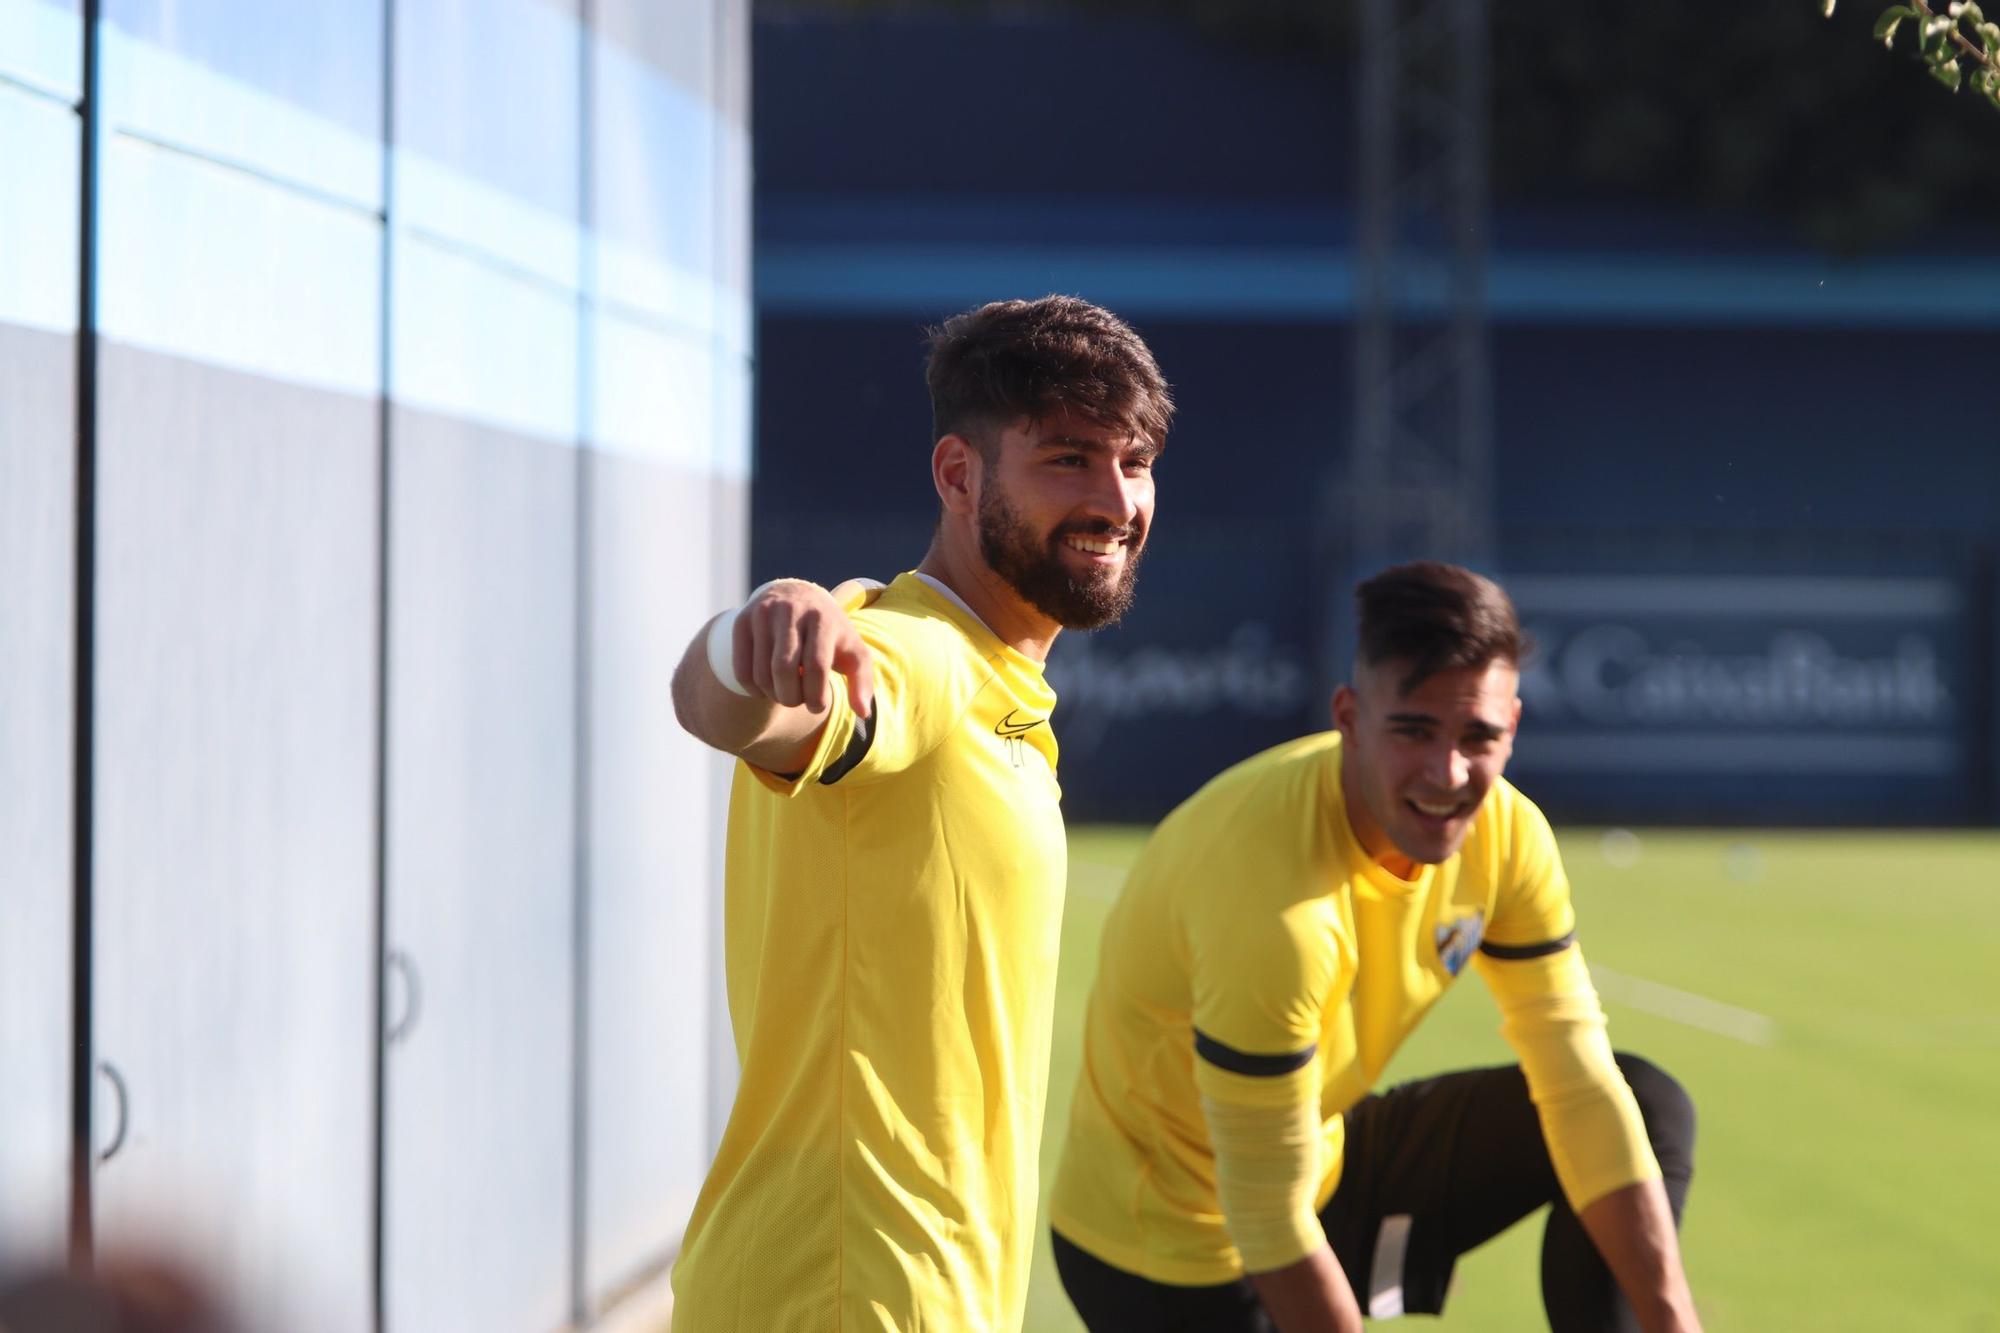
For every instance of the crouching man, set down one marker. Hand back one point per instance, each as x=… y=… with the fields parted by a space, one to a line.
x=1227 y=1165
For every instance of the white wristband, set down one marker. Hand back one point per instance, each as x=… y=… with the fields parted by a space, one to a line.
x=722 y=643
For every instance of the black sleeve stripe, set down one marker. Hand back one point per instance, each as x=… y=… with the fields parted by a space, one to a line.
x=1240 y=1062
x=1542 y=950
x=857 y=750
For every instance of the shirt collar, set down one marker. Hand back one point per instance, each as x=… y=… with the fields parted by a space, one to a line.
x=956 y=600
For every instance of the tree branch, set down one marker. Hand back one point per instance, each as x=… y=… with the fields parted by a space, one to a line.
x=1958 y=37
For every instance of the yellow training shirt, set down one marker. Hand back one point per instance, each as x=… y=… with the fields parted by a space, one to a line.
x=892 y=918
x=1254 y=918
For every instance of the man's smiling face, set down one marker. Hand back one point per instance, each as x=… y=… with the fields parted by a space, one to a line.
x=1416 y=763
x=1065 y=507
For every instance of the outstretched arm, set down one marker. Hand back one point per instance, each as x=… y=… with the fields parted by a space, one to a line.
x=780 y=652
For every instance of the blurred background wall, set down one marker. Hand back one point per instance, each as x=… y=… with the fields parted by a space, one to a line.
x=1730 y=283
x=374 y=429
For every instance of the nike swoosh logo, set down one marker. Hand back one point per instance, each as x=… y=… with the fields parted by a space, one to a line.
x=1013 y=726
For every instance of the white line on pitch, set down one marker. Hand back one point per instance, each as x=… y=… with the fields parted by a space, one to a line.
x=1686 y=1008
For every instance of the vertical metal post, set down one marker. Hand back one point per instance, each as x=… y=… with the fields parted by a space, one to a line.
x=83 y=1036
x=384 y=515
x=1419 y=478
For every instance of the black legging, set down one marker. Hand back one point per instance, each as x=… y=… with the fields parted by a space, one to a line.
x=1462 y=1156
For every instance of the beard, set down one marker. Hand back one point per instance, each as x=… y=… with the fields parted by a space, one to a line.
x=1034 y=566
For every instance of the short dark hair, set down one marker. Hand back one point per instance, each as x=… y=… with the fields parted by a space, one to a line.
x=1436 y=617
x=1006 y=360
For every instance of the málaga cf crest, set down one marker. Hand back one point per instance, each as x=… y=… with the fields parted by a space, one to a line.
x=1457 y=939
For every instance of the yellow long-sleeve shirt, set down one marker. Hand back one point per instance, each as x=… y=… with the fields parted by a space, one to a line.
x=1254 y=919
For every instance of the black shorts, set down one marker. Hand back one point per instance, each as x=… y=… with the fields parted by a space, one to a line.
x=1432 y=1169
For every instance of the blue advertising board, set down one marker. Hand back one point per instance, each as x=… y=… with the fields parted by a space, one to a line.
x=1754 y=697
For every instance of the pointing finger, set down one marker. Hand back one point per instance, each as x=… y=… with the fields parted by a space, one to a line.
x=813 y=656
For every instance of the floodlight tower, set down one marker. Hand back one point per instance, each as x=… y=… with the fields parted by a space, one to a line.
x=1419 y=481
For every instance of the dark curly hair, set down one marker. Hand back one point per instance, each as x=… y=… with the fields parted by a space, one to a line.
x=1436 y=617
x=1006 y=360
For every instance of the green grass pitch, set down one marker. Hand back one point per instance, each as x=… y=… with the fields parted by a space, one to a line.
x=1831 y=1000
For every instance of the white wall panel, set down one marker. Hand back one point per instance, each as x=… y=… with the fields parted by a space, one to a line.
x=654 y=394
x=486 y=131
x=652 y=883
x=236 y=674
x=41 y=46
x=481 y=343
x=39 y=141
x=733 y=179
x=669 y=409
x=206 y=262
x=289 y=92
x=235 y=914
x=480 y=877
x=40 y=144
x=656 y=170
x=37 y=629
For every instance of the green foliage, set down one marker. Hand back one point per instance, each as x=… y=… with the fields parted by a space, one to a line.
x=1885 y=27
x=1950 y=44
